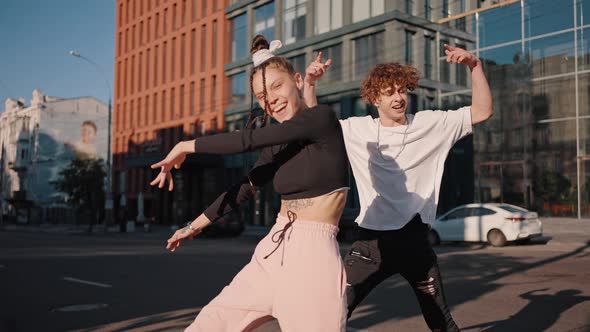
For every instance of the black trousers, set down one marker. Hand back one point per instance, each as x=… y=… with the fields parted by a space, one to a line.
x=377 y=255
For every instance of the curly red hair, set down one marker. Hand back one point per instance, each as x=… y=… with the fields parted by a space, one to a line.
x=388 y=75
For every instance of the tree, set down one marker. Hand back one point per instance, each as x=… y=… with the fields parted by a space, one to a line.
x=83 y=181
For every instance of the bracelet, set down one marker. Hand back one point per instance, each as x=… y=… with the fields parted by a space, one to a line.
x=190 y=227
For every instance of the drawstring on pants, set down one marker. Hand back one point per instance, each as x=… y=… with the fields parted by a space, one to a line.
x=280 y=235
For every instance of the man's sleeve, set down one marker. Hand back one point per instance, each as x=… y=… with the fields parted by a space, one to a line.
x=456 y=124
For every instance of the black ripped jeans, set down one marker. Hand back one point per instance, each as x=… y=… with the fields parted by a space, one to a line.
x=377 y=255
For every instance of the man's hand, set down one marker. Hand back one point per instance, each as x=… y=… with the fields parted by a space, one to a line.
x=461 y=56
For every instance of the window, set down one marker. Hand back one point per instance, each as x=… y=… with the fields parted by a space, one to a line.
x=146 y=111
x=299 y=63
x=202 y=97
x=203 y=47
x=460 y=22
x=428 y=57
x=445 y=69
x=239 y=41
x=367 y=53
x=194 y=6
x=193 y=50
x=333 y=74
x=409 y=47
x=157 y=31
x=162 y=106
x=172 y=113
x=363 y=9
x=294 y=18
x=155 y=71
x=139 y=72
x=192 y=99
x=164 y=62
x=213 y=96
x=174 y=20
x=183 y=13
x=265 y=21
x=458 y=214
x=173 y=59
x=328 y=15
x=204 y=7
x=445 y=9
x=182 y=54
x=478 y=212
x=147 y=30
x=409 y=6
x=238 y=84
x=131 y=90
x=141 y=33
x=181 y=96
x=154 y=109
x=165 y=23
x=214 y=47
x=427 y=10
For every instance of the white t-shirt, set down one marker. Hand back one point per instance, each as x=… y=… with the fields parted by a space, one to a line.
x=394 y=185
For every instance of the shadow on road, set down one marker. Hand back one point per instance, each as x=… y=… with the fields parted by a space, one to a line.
x=472 y=279
x=529 y=318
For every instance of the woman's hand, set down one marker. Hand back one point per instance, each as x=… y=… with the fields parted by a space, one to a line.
x=175 y=158
x=187 y=233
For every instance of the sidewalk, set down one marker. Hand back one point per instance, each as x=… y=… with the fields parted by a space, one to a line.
x=560 y=230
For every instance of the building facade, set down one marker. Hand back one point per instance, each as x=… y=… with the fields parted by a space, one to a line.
x=169 y=86
x=534 y=151
x=531 y=153
x=356 y=35
x=37 y=141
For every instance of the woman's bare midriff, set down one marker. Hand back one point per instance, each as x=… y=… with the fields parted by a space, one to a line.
x=326 y=208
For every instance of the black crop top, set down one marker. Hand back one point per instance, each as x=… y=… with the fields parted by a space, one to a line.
x=305 y=156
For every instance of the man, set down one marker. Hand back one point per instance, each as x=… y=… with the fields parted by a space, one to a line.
x=397 y=161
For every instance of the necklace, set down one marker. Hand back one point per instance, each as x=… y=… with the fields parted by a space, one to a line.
x=403 y=139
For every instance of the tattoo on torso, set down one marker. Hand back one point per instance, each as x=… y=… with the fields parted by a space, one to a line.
x=298 y=204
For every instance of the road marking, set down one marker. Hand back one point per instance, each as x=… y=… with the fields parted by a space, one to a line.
x=352 y=329
x=91 y=283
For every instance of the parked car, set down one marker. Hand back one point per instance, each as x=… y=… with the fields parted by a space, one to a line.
x=230 y=224
x=495 y=223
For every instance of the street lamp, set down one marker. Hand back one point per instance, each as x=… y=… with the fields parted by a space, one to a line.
x=109 y=194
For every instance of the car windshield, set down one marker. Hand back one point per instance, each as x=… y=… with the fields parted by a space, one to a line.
x=511 y=208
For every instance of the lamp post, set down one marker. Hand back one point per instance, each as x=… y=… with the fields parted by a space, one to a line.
x=109 y=194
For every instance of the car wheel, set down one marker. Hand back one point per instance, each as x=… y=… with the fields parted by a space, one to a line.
x=496 y=238
x=433 y=238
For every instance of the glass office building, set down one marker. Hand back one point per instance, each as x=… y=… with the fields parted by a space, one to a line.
x=534 y=151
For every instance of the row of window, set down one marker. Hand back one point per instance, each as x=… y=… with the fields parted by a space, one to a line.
x=167 y=105
x=133 y=73
x=129 y=10
x=134 y=36
x=328 y=16
x=368 y=52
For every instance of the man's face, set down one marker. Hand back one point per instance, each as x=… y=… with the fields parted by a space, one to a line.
x=88 y=134
x=392 y=102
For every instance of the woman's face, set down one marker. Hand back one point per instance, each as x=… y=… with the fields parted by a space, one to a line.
x=283 y=93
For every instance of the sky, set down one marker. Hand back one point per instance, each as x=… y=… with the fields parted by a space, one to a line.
x=36 y=37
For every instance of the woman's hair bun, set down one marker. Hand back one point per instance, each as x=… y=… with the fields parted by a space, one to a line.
x=259 y=43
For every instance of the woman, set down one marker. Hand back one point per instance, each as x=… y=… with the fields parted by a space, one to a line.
x=296 y=273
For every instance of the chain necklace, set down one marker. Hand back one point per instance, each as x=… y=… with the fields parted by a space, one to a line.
x=403 y=139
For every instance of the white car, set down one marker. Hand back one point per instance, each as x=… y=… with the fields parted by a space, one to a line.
x=495 y=223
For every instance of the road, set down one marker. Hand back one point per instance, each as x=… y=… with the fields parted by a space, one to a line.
x=128 y=282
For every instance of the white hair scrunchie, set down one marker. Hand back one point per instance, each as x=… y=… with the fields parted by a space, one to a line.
x=266 y=53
